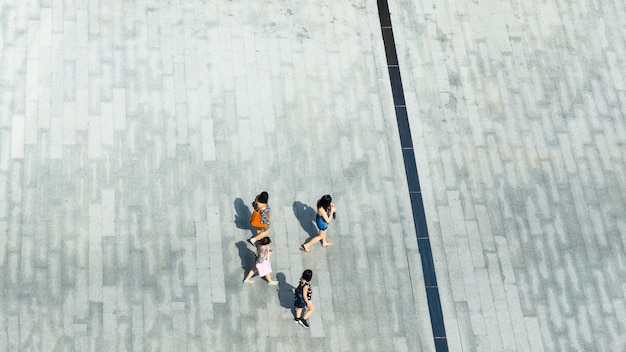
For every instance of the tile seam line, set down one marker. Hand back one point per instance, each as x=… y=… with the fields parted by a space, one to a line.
x=390 y=50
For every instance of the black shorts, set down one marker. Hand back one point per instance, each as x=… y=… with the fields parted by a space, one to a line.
x=299 y=302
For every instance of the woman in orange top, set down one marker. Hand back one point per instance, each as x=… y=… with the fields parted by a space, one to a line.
x=260 y=219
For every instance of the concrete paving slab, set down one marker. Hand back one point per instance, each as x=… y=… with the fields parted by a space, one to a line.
x=516 y=109
x=135 y=135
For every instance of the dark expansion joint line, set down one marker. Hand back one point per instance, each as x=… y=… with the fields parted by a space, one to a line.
x=410 y=167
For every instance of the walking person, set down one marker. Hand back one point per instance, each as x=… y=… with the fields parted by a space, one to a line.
x=260 y=218
x=262 y=263
x=302 y=299
x=325 y=214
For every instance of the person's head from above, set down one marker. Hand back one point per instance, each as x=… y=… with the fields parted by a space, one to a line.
x=307 y=275
x=325 y=201
x=263 y=197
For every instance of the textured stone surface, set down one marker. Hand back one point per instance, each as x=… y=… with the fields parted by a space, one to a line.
x=519 y=111
x=134 y=135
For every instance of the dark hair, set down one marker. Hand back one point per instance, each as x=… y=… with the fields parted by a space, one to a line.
x=263 y=197
x=325 y=201
x=307 y=275
x=264 y=241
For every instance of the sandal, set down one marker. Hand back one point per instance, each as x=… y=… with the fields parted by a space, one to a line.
x=304 y=249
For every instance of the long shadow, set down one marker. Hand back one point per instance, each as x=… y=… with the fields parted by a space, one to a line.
x=242 y=216
x=246 y=256
x=306 y=216
x=285 y=293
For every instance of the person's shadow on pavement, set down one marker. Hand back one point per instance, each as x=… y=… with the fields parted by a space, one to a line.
x=306 y=216
x=242 y=216
x=247 y=257
x=285 y=293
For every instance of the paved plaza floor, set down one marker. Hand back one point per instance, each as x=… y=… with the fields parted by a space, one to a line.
x=135 y=134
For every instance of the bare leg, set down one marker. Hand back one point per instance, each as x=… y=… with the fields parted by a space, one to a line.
x=268 y=277
x=313 y=241
x=260 y=233
x=324 y=242
x=298 y=313
x=250 y=274
x=321 y=236
x=309 y=309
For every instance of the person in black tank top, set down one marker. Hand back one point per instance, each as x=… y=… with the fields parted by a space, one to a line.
x=302 y=298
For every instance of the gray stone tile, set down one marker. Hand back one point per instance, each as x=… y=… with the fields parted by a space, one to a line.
x=548 y=183
x=128 y=130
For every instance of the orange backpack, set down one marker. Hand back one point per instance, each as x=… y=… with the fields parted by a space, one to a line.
x=255 y=219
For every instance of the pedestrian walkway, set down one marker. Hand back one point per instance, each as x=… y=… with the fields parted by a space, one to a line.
x=135 y=134
x=519 y=111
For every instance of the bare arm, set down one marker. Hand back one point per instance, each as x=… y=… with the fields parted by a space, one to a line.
x=322 y=212
x=305 y=294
